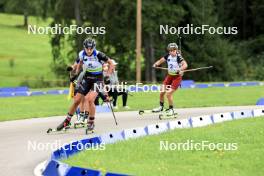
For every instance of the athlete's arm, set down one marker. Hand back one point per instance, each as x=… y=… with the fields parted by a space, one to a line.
x=79 y=62
x=101 y=56
x=73 y=67
x=184 y=65
x=159 y=62
x=110 y=67
x=78 y=67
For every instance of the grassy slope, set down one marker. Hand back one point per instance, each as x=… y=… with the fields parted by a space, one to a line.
x=143 y=156
x=50 y=105
x=32 y=107
x=31 y=53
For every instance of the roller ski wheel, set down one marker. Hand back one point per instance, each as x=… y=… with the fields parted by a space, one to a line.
x=141 y=112
x=49 y=130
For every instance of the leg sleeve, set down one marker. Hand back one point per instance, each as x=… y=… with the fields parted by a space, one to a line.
x=115 y=95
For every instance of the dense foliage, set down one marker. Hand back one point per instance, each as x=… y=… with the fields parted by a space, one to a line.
x=234 y=57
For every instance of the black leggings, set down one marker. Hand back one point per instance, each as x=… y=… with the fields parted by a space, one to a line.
x=114 y=93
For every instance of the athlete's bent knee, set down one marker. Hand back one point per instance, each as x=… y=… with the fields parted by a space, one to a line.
x=169 y=95
x=162 y=93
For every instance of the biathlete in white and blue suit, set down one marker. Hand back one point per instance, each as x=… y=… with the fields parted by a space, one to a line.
x=91 y=61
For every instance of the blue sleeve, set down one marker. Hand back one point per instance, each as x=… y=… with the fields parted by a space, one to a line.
x=77 y=60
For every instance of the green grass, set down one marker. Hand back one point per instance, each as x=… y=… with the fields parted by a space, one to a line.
x=143 y=156
x=184 y=98
x=30 y=54
x=32 y=107
x=50 y=105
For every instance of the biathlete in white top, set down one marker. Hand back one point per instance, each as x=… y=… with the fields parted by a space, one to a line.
x=176 y=65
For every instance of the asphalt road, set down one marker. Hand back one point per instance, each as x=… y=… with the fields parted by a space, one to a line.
x=24 y=143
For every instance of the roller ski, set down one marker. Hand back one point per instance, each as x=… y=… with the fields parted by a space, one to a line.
x=64 y=126
x=153 y=111
x=54 y=130
x=90 y=128
x=168 y=114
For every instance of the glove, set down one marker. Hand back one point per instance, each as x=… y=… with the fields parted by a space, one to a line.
x=154 y=65
x=107 y=80
x=69 y=68
x=74 y=82
x=180 y=72
x=73 y=77
x=106 y=98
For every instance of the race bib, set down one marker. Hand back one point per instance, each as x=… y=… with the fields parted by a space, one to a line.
x=173 y=65
x=92 y=64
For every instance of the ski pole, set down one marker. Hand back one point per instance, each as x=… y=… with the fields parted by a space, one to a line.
x=195 y=69
x=179 y=37
x=188 y=70
x=109 y=104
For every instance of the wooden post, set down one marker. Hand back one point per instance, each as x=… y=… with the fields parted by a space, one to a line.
x=138 y=42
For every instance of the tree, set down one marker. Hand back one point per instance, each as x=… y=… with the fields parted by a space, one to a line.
x=25 y=7
x=157 y=13
x=207 y=49
x=248 y=17
x=118 y=17
x=238 y=13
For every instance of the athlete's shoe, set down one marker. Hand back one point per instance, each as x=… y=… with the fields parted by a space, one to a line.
x=78 y=121
x=66 y=123
x=85 y=118
x=159 y=109
x=90 y=127
x=169 y=112
x=81 y=119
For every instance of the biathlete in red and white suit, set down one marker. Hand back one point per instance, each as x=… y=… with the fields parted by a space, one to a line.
x=176 y=65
